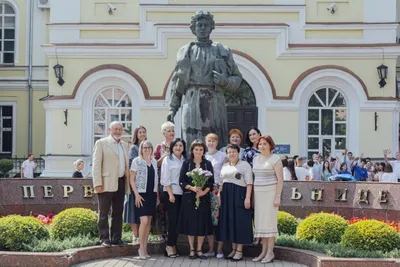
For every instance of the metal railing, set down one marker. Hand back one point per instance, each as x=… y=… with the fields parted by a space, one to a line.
x=16 y=171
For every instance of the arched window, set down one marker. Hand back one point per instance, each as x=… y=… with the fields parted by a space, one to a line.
x=112 y=104
x=327 y=123
x=7 y=33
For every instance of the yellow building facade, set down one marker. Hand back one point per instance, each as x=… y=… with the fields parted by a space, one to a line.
x=311 y=66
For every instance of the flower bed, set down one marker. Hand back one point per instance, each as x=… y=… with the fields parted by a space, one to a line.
x=288 y=225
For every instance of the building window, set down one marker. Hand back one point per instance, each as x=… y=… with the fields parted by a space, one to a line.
x=327 y=123
x=112 y=104
x=6 y=131
x=7 y=33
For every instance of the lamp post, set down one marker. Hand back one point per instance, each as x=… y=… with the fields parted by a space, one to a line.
x=59 y=72
x=382 y=73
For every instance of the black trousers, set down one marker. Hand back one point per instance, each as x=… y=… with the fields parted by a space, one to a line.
x=173 y=215
x=113 y=201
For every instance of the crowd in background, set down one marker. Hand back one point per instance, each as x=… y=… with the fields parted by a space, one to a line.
x=329 y=169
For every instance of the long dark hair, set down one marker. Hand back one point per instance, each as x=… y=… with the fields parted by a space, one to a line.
x=173 y=143
x=329 y=166
x=291 y=167
x=248 y=142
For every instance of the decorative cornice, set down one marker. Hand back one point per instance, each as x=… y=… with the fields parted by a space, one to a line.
x=109 y=67
x=318 y=68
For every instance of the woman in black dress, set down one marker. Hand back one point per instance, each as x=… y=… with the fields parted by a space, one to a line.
x=193 y=220
x=144 y=182
x=235 y=213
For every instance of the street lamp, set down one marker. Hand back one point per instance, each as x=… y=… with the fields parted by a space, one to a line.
x=382 y=72
x=59 y=72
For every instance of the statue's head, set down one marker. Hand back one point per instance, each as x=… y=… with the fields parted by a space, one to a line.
x=202 y=24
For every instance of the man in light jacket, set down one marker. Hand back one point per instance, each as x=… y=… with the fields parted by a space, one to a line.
x=111 y=183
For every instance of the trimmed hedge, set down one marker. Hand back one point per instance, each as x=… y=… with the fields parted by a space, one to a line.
x=371 y=235
x=17 y=232
x=287 y=223
x=323 y=227
x=74 y=222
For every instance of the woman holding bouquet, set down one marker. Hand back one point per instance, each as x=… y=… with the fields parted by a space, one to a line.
x=235 y=217
x=195 y=215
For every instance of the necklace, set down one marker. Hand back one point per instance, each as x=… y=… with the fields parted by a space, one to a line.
x=235 y=163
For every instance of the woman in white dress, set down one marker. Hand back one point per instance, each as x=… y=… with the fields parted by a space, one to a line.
x=268 y=183
x=217 y=159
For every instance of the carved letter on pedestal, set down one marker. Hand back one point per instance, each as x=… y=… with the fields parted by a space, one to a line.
x=29 y=188
x=316 y=194
x=296 y=195
x=383 y=196
x=47 y=191
x=67 y=190
x=363 y=196
x=88 y=191
x=341 y=195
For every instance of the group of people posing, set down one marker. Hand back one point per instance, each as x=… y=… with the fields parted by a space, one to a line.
x=331 y=169
x=245 y=186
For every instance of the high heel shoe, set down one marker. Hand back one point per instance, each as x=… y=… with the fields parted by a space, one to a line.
x=170 y=252
x=194 y=256
x=141 y=255
x=269 y=258
x=201 y=256
x=230 y=256
x=237 y=259
x=258 y=258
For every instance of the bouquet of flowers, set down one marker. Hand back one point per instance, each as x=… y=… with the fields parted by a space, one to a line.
x=200 y=178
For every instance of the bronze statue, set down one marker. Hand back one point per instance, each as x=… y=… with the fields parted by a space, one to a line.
x=203 y=70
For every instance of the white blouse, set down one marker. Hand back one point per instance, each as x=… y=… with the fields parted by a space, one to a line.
x=217 y=160
x=171 y=169
x=287 y=176
x=139 y=166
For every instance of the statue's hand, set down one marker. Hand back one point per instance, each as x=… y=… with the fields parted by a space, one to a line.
x=220 y=78
x=171 y=116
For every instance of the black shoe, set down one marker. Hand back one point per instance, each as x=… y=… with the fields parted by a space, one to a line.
x=194 y=256
x=105 y=243
x=119 y=243
x=237 y=259
x=201 y=256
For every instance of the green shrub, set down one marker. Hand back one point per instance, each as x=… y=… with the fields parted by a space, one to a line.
x=287 y=223
x=371 y=235
x=126 y=227
x=323 y=227
x=51 y=245
x=6 y=165
x=74 y=222
x=18 y=231
x=333 y=250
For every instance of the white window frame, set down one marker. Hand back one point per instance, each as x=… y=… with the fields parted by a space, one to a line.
x=327 y=106
x=15 y=6
x=115 y=107
x=14 y=125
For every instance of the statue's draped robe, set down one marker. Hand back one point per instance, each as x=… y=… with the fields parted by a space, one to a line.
x=193 y=89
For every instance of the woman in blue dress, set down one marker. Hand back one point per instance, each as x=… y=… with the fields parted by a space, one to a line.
x=235 y=215
x=139 y=135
